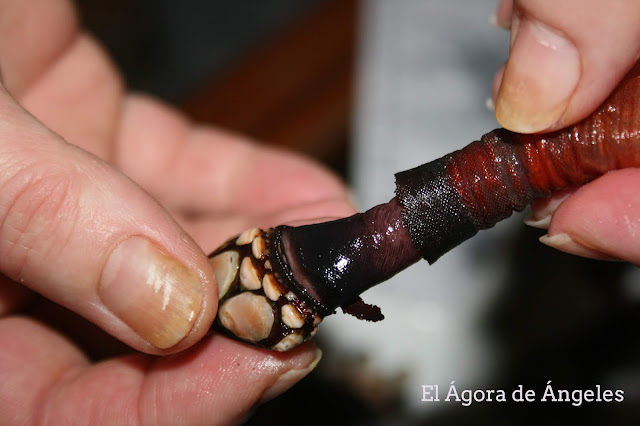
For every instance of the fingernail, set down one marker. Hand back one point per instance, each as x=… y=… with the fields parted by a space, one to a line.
x=490 y=105
x=541 y=74
x=543 y=209
x=494 y=20
x=556 y=241
x=290 y=378
x=565 y=243
x=502 y=16
x=154 y=294
x=540 y=223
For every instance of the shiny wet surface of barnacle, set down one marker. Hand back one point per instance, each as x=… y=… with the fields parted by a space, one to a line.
x=255 y=305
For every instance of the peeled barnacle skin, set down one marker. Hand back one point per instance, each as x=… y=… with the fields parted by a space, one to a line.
x=305 y=273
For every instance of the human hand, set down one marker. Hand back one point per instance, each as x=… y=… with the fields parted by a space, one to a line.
x=565 y=59
x=82 y=235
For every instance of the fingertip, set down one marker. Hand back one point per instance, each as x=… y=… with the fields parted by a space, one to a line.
x=157 y=296
x=542 y=209
x=502 y=16
x=67 y=212
x=565 y=59
x=601 y=219
x=540 y=76
x=495 y=86
x=539 y=223
x=308 y=361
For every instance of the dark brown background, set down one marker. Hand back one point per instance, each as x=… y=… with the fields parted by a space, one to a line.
x=282 y=71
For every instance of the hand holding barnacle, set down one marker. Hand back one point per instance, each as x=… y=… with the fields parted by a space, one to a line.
x=554 y=77
x=77 y=233
x=65 y=212
x=277 y=285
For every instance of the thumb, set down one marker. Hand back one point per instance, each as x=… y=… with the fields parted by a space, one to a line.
x=84 y=236
x=565 y=59
x=601 y=220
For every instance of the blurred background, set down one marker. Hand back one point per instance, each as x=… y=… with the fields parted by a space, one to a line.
x=369 y=88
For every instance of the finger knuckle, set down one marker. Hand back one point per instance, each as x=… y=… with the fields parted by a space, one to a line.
x=38 y=209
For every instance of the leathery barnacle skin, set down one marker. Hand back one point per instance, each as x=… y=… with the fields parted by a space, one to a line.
x=255 y=304
x=276 y=285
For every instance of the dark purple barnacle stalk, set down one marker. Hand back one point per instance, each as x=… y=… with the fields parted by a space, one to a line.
x=276 y=285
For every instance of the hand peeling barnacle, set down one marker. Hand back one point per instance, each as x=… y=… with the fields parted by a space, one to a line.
x=305 y=273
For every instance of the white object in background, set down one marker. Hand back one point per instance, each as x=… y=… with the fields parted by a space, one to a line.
x=425 y=72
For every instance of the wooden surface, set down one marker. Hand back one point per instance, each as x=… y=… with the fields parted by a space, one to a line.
x=293 y=91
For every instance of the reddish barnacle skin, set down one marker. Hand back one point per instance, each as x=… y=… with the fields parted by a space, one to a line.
x=450 y=199
x=287 y=279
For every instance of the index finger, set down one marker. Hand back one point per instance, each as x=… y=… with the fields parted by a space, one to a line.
x=207 y=171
